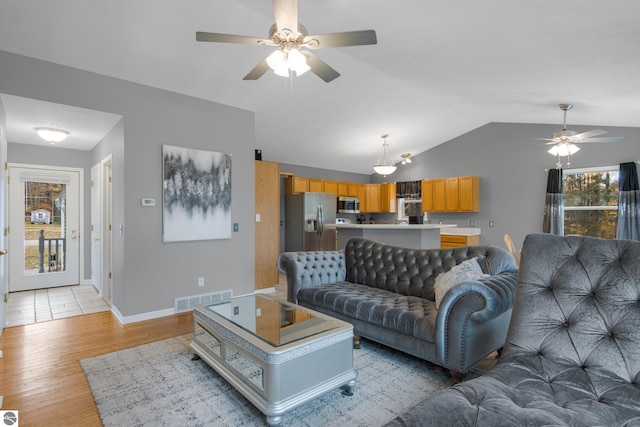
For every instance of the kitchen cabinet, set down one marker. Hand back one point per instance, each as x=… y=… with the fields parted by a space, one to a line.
x=343 y=189
x=267 y=229
x=469 y=193
x=388 y=201
x=379 y=198
x=316 y=185
x=331 y=187
x=372 y=199
x=296 y=184
x=455 y=194
x=456 y=241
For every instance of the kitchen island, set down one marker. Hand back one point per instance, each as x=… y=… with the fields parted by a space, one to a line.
x=414 y=236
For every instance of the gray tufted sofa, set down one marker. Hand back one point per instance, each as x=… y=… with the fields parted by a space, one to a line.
x=572 y=356
x=387 y=294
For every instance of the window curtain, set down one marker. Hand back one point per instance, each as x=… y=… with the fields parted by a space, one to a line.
x=409 y=190
x=553 y=221
x=628 y=222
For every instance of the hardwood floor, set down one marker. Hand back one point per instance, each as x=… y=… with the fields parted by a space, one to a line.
x=40 y=372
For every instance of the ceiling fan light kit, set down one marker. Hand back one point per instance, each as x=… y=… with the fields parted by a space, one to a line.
x=564 y=142
x=288 y=42
x=385 y=165
x=52 y=135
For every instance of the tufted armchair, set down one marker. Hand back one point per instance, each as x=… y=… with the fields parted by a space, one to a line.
x=387 y=294
x=572 y=356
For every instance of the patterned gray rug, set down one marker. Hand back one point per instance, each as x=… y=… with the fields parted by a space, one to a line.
x=158 y=384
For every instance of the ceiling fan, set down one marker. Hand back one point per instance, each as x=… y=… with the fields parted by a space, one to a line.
x=564 y=141
x=289 y=36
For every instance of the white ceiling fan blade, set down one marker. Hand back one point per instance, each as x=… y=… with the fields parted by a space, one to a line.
x=257 y=71
x=321 y=68
x=286 y=13
x=589 y=134
x=604 y=139
x=347 y=38
x=202 y=36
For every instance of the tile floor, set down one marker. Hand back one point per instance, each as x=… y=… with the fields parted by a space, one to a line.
x=53 y=303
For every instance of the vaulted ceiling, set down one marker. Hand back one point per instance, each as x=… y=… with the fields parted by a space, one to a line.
x=440 y=68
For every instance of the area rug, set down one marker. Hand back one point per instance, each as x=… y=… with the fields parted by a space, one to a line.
x=158 y=384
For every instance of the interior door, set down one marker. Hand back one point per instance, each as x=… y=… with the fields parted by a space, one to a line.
x=44 y=238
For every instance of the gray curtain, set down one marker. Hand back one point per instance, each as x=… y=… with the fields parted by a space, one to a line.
x=409 y=189
x=553 y=221
x=628 y=223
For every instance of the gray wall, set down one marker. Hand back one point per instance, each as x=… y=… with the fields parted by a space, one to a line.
x=511 y=164
x=61 y=157
x=149 y=274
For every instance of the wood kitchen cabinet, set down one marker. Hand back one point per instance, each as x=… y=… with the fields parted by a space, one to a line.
x=316 y=185
x=388 y=201
x=331 y=187
x=456 y=241
x=343 y=189
x=372 y=199
x=455 y=194
x=296 y=184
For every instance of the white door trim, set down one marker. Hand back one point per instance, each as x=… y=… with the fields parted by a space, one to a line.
x=81 y=209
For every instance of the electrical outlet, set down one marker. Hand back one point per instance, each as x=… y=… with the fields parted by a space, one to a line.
x=471 y=223
x=236 y=310
x=236 y=227
x=201 y=281
x=440 y=222
x=490 y=223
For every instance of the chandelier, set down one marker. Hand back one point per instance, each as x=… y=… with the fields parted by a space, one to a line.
x=385 y=165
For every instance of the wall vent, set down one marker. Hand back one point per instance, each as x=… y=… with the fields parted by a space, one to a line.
x=187 y=303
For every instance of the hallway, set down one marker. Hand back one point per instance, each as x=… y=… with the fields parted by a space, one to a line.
x=41 y=305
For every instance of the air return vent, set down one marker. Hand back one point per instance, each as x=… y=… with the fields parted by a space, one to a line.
x=187 y=303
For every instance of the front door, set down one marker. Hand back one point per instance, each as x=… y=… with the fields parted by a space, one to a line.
x=44 y=233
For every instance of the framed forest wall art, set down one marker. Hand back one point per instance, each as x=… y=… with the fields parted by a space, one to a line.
x=196 y=194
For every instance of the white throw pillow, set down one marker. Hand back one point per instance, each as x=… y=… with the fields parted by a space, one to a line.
x=466 y=270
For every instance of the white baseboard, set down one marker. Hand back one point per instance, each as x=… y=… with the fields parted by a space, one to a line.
x=142 y=316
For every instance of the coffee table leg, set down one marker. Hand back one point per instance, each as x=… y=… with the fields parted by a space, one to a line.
x=274 y=421
x=348 y=388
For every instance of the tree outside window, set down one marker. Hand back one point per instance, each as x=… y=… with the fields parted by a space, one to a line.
x=590 y=201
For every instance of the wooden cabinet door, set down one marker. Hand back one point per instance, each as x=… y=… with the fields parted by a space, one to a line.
x=469 y=193
x=427 y=195
x=353 y=189
x=296 y=184
x=343 y=189
x=388 y=201
x=316 y=185
x=451 y=194
x=438 y=195
x=331 y=187
x=267 y=230
x=372 y=198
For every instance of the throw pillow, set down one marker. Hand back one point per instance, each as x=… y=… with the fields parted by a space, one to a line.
x=466 y=270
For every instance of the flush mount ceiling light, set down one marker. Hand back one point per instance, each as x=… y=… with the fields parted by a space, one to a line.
x=385 y=165
x=52 y=135
x=406 y=158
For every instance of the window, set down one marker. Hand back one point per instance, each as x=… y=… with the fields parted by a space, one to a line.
x=590 y=201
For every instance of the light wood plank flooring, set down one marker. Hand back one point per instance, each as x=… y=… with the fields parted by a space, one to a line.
x=40 y=372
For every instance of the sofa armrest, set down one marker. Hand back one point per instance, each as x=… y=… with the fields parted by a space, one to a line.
x=311 y=268
x=473 y=319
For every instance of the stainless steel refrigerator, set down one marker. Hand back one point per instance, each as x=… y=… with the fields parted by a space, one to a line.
x=310 y=222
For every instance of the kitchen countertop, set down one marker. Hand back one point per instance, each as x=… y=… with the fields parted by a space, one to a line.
x=460 y=231
x=395 y=226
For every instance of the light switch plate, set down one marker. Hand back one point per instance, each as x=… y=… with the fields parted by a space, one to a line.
x=147 y=202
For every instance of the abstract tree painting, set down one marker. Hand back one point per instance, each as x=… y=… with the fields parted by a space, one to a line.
x=196 y=194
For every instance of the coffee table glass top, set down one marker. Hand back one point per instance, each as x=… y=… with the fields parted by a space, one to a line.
x=276 y=322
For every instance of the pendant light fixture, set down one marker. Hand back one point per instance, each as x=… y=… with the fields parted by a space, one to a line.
x=385 y=165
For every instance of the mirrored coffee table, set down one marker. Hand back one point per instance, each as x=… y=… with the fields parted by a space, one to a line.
x=277 y=354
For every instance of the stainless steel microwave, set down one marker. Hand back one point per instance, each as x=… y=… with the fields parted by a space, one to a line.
x=348 y=205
